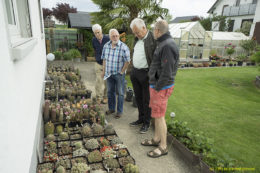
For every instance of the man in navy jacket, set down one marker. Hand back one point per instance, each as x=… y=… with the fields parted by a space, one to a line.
x=98 y=43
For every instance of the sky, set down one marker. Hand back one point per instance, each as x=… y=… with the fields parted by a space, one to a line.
x=176 y=7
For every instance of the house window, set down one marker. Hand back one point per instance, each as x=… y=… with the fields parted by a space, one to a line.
x=19 y=20
x=231 y=25
x=19 y=27
x=224 y=9
x=40 y=14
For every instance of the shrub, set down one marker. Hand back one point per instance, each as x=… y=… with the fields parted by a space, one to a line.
x=58 y=55
x=67 y=56
x=75 y=53
x=255 y=57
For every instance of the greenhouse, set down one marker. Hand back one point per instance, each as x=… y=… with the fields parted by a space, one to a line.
x=196 y=43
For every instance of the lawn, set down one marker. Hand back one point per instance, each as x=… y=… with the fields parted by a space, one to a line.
x=224 y=104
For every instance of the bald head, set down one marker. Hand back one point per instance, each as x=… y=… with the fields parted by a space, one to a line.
x=160 y=28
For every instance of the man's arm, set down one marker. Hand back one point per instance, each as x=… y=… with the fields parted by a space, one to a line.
x=125 y=67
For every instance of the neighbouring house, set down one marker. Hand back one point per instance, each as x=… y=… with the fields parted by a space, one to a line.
x=22 y=69
x=239 y=12
x=183 y=19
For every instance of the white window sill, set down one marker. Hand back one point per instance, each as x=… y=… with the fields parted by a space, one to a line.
x=22 y=48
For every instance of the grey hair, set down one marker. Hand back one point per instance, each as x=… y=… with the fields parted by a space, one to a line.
x=96 y=27
x=113 y=30
x=139 y=23
x=162 y=26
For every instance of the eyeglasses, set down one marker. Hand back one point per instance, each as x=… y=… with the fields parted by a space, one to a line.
x=114 y=36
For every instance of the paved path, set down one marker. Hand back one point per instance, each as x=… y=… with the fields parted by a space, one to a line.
x=172 y=163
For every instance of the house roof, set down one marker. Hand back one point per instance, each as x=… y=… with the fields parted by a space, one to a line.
x=79 y=20
x=178 y=29
x=213 y=6
x=234 y=36
x=182 y=18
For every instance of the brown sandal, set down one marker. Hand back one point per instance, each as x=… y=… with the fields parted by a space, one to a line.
x=153 y=154
x=151 y=142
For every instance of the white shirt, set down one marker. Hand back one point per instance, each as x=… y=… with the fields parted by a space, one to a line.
x=139 y=58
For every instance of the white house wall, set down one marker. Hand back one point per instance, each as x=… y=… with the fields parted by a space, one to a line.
x=238 y=21
x=21 y=87
x=256 y=19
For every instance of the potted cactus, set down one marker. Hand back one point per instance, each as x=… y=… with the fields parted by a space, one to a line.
x=92 y=144
x=48 y=128
x=111 y=164
x=97 y=129
x=80 y=168
x=130 y=168
x=123 y=161
x=94 y=156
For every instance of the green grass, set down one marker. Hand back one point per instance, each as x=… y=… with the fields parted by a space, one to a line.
x=224 y=104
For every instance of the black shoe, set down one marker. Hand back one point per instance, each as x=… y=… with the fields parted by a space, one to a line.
x=109 y=112
x=136 y=123
x=144 y=128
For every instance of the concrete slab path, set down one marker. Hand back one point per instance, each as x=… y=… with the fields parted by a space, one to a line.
x=172 y=163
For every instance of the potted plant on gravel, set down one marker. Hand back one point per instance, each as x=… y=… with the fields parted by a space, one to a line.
x=240 y=59
x=75 y=54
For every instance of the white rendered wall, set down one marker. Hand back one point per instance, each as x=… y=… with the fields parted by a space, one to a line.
x=21 y=87
x=256 y=19
x=220 y=4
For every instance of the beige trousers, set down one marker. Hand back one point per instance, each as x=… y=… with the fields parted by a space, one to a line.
x=101 y=84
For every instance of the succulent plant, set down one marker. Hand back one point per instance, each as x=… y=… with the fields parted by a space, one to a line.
x=86 y=131
x=109 y=129
x=65 y=148
x=111 y=163
x=130 y=168
x=78 y=145
x=48 y=128
x=53 y=115
x=75 y=136
x=78 y=160
x=59 y=129
x=46 y=111
x=45 y=170
x=117 y=170
x=48 y=166
x=65 y=163
x=94 y=156
x=102 y=119
x=108 y=153
x=64 y=136
x=122 y=153
x=51 y=147
x=116 y=140
x=51 y=157
x=104 y=142
x=92 y=144
x=98 y=171
x=61 y=169
x=125 y=160
x=50 y=137
x=97 y=129
x=80 y=152
x=80 y=168
x=61 y=116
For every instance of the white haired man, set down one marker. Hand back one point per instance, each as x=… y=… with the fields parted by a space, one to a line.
x=161 y=79
x=145 y=45
x=98 y=43
x=116 y=58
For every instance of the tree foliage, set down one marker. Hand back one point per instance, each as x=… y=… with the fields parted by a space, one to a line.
x=119 y=13
x=61 y=11
x=46 y=12
x=207 y=22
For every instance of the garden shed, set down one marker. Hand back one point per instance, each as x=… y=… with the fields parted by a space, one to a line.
x=221 y=39
x=190 y=38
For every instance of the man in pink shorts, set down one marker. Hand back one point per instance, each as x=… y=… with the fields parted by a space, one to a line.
x=162 y=72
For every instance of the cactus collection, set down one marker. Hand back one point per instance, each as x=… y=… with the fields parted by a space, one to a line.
x=70 y=144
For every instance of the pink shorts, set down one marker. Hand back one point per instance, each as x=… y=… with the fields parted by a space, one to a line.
x=158 y=101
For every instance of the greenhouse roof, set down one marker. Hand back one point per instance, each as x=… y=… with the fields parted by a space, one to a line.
x=228 y=36
x=176 y=29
